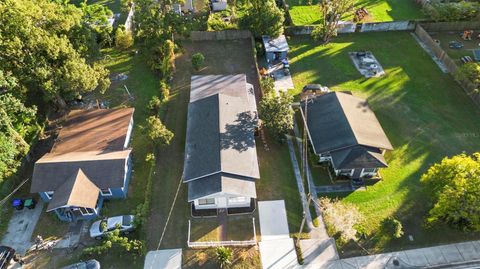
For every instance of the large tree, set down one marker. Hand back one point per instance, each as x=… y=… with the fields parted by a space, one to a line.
x=455 y=185
x=263 y=18
x=36 y=49
x=332 y=12
x=16 y=122
x=276 y=113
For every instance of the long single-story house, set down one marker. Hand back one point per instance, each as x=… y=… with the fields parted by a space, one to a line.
x=344 y=131
x=221 y=164
x=90 y=161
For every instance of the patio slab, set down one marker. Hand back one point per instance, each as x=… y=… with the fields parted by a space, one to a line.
x=165 y=258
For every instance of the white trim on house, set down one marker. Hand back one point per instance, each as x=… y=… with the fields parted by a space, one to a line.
x=339 y=172
x=106 y=192
x=129 y=133
x=368 y=172
x=49 y=194
x=85 y=211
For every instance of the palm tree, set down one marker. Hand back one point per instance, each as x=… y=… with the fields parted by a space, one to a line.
x=224 y=256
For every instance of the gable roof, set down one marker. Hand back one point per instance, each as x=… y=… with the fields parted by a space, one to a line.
x=93 y=130
x=105 y=170
x=358 y=157
x=221 y=183
x=77 y=191
x=339 y=120
x=90 y=140
x=220 y=128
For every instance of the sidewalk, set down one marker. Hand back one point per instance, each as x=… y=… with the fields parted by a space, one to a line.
x=444 y=256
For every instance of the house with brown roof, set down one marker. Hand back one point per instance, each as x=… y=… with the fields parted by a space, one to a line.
x=344 y=131
x=90 y=161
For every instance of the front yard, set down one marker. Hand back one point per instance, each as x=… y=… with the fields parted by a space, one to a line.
x=380 y=10
x=423 y=112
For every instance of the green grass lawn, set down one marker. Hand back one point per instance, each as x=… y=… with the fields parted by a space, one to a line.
x=424 y=113
x=380 y=10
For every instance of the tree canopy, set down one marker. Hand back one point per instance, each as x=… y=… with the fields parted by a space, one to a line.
x=276 y=113
x=43 y=47
x=263 y=18
x=455 y=186
x=158 y=132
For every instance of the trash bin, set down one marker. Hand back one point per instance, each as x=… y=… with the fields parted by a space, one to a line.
x=30 y=203
x=17 y=204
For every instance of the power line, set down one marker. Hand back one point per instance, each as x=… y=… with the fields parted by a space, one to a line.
x=170 y=213
x=13 y=192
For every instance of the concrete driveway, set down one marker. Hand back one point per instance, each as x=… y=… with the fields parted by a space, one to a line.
x=20 y=228
x=276 y=247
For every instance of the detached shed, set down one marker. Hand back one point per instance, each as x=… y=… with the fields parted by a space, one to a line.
x=276 y=49
x=165 y=258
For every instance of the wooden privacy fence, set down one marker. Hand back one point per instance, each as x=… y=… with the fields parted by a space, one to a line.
x=220 y=35
x=469 y=88
x=231 y=243
x=451 y=26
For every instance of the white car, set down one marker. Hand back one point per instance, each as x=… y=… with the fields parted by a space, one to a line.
x=125 y=223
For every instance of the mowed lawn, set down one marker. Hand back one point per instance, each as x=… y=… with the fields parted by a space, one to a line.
x=423 y=112
x=380 y=10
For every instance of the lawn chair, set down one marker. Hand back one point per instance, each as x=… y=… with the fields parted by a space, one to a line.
x=476 y=55
x=466 y=59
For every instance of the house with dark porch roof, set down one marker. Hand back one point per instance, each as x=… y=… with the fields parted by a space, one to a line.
x=345 y=132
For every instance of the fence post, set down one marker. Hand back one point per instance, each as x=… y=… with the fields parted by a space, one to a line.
x=188 y=240
x=254 y=230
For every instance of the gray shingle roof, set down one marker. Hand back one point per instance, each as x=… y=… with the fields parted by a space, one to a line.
x=358 y=157
x=339 y=120
x=220 y=132
x=106 y=170
x=221 y=183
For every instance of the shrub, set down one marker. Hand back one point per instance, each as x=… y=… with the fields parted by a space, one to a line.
x=469 y=71
x=216 y=21
x=318 y=32
x=393 y=227
x=341 y=218
x=154 y=104
x=197 y=60
x=123 y=39
x=114 y=239
x=268 y=85
x=164 y=91
x=452 y=11
x=157 y=132
x=224 y=256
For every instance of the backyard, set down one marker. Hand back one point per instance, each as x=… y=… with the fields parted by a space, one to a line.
x=423 y=112
x=303 y=13
x=456 y=54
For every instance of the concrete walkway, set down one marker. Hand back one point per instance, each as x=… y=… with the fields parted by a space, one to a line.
x=298 y=177
x=20 y=228
x=444 y=256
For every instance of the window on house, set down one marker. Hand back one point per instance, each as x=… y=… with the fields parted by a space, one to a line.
x=106 y=192
x=237 y=200
x=369 y=170
x=347 y=172
x=86 y=211
x=208 y=201
x=49 y=194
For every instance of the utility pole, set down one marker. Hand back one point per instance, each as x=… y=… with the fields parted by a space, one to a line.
x=309 y=198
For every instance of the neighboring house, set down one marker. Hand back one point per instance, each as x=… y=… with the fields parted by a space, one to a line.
x=344 y=131
x=89 y=162
x=276 y=49
x=221 y=163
